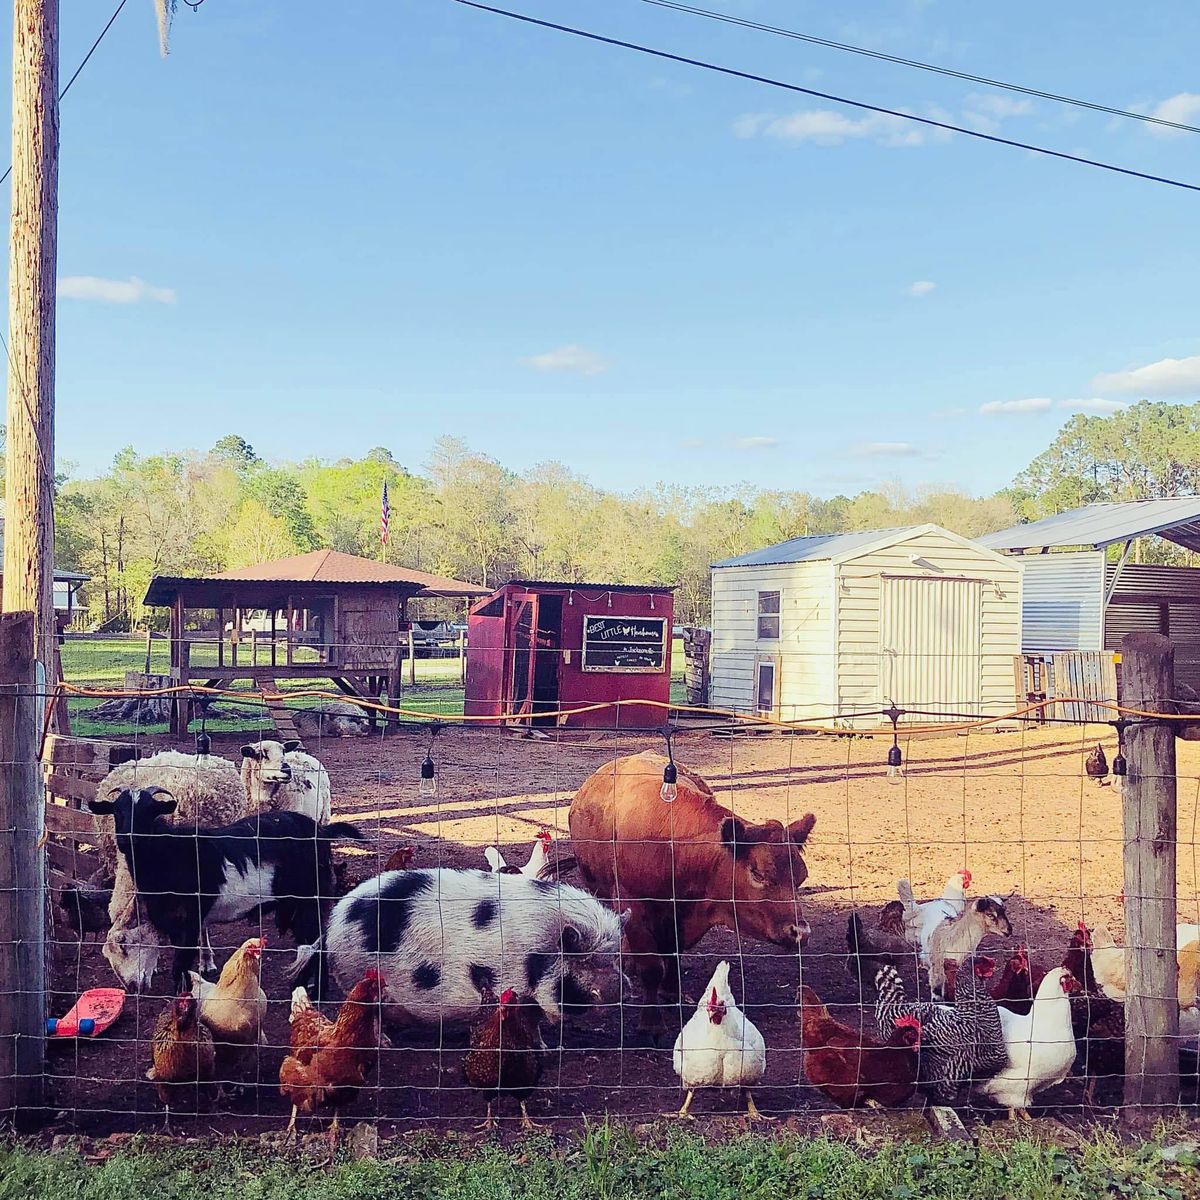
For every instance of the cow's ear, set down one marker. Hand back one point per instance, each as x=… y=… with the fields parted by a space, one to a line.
x=733 y=836
x=251 y=752
x=798 y=831
x=102 y=808
x=290 y=745
x=772 y=832
x=571 y=941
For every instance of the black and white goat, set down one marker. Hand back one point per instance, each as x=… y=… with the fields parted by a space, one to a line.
x=189 y=877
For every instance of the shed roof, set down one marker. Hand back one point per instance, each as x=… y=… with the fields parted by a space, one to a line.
x=327 y=568
x=821 y=546
x=1098 y=525
x=559 y=586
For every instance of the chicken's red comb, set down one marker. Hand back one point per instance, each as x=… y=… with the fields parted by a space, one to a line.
x=966 y=877
x=508 y=996
x=544 y=835
x=1083 y=928
x=373 y=975
x=908 y=1021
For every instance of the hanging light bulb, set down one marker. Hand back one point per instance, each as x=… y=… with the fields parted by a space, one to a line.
x=203 y=744
x=670 y=784
x=1120 y=768
x=428 y=784
x=895 y=759
x=670 y=789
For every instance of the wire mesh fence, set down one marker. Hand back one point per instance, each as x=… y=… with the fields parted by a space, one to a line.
x=606 y=904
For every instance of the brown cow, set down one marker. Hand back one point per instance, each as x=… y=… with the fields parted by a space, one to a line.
x=683 y=868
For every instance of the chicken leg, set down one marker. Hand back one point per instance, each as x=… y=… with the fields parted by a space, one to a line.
x=291 y=1129
x=685 y=1113
x=488 y=1123
x=527 y=1122
x=752 y=1113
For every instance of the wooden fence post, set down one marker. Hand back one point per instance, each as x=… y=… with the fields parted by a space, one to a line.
x=22 y=874
x=412 y=659
x=1152 y=1003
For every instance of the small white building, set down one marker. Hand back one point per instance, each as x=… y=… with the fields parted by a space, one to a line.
x=850 y=623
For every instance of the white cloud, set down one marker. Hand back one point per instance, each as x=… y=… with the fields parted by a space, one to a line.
x=1183 y=108
x=755 y=443
x=1093 y=405
x=113 y=291
x=692 y=443
x=828 y=128
x=887 y=450
x=922 y=287
x=1167 y=377
x=1032 y=404
x=576 y=359
x=994 y=105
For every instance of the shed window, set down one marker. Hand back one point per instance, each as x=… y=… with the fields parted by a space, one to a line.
x=768 y=615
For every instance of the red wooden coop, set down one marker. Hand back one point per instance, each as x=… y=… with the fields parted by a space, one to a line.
x=536 y=649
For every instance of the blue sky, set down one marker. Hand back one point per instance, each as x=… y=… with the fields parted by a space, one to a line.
x=360 y=224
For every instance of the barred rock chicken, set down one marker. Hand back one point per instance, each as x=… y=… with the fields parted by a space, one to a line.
x=1096 y=765
x=506 y=1051
x=852 y=1068
x=959 y=1042
x=331 y=1060
x=720 y=1047
x=920 y=920
x=235 y=1007
x=1041 y=1046
x=891 y=918
x=181 y=1051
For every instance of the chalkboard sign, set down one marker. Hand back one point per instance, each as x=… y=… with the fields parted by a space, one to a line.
x=635 y=644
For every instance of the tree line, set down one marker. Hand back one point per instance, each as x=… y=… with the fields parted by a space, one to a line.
x=467 y=516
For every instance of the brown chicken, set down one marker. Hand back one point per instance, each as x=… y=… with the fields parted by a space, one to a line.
x=331 y=1060
x=1097 y=1022
x=1018 y=983
x=234 y=1007
x=852 y=1068
x=506 y=1051
x=1096 y=765
x=181 y=1052
x=891 y=918
x=400 y=858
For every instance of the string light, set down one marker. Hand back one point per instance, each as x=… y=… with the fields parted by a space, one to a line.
x=203 y=741
x=1120 y=768
x=428 y=784
x=670 y=784
x=895 y=757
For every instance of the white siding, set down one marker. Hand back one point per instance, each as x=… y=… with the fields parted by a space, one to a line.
x=862 y=677
x=1062 y=602
x=804 y=649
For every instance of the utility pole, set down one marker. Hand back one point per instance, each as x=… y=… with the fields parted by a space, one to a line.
x=32 y=272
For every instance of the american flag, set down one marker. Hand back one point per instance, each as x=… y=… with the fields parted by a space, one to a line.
x=385 y=516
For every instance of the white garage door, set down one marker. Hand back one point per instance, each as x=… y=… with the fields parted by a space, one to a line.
x=931 y=641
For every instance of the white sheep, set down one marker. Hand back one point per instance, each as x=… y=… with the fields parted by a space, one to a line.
x=280 y=777
x=336 y=718
x=208 y=791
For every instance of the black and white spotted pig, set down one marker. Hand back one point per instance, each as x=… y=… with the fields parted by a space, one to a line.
x=440 y=937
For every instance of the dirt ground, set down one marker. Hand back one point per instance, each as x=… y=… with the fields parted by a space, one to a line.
x=1014 y=807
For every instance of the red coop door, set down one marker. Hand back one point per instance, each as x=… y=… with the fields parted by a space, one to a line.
x=522 y=652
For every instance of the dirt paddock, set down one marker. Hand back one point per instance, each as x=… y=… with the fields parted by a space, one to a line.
x=1015 y=808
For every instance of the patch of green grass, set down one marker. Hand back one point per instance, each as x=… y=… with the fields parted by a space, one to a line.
x=616 y=1163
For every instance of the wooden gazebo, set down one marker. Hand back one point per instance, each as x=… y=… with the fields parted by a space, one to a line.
x=323 y=615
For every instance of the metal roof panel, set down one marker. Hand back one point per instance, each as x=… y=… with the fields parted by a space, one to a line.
x=1098 y=525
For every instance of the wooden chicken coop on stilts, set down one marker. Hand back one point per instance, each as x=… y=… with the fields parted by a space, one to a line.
x=322 y=615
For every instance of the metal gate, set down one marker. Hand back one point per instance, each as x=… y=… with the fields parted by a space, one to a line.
x=931 y=641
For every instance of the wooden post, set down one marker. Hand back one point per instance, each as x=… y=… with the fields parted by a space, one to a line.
x=22 y=874
x=412 y=658
x=32 y=272
x=149 y=649
x=1152 y=1003
x=462 y=658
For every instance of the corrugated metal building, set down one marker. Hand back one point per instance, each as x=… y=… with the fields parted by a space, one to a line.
x=849 y=623
x=1075 y=598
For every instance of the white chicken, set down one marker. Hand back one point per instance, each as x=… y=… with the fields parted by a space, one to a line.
x=538 y=860
x=1041 y=1045
x=1109 y=966
x=920 y=920
x=720 y=1047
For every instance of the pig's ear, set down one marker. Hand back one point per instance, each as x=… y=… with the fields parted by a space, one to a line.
x=798 y=831
x=625 y=918
x=571 y=941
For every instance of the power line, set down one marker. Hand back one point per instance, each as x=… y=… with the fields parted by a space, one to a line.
x=796 y=35
x=859 y=104
x=83 y=64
